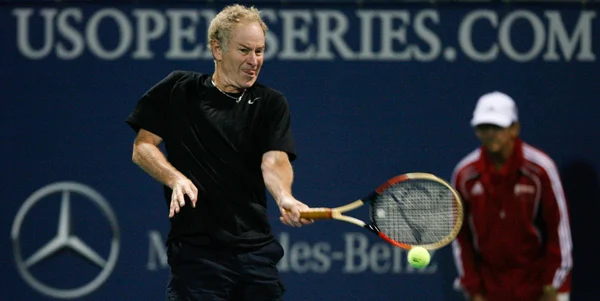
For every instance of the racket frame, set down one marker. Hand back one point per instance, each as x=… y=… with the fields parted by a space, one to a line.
x=337 y=212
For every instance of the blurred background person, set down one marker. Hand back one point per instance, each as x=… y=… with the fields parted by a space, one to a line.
x=516 y=240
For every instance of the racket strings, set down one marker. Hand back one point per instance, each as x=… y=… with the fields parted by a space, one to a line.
x=416 y=212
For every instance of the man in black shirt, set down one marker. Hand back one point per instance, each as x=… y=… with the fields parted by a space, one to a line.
x=227 y=138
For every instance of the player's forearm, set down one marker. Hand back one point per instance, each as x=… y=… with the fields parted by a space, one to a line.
x=151 y=159
x=278 y=174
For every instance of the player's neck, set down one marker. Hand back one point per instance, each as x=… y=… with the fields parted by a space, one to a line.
x=223 y=83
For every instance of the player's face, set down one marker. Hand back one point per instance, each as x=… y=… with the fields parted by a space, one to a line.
x=496 y=139
x=242 y=61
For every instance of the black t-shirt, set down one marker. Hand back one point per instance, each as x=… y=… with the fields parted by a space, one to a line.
x=218 y=144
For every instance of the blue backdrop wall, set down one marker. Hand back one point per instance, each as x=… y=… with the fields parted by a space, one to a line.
x=375 y=90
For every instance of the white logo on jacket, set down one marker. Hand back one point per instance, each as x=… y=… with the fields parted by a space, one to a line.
x=522 y=188
x=477 y=189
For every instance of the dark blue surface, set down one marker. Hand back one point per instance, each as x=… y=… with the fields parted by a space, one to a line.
x=357 y=120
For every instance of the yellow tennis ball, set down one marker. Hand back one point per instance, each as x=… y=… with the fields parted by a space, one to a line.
x=418 y=257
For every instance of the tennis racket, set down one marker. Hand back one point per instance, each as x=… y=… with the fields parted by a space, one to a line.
x=409 y=210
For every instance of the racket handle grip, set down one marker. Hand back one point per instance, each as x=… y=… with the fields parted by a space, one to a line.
x=316 y=213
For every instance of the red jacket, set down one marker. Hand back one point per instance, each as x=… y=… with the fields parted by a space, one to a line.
x=516 y=236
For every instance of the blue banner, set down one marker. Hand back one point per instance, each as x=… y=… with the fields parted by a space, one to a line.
x=375 y=91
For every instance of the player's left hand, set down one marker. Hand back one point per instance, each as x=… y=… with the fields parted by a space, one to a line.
x=290 y=212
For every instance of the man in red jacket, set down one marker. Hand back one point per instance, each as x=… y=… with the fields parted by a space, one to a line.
x=515 y=244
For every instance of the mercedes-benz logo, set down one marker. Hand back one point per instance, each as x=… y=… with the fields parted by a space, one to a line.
x=66 y=238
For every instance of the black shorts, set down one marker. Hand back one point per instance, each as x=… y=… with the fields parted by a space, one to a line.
x=207 y=274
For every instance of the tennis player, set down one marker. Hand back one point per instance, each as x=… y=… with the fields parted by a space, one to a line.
x=515 y=243
x=228 y=139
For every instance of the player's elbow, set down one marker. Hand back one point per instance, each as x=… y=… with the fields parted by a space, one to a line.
x=268 y=164
x=137 y=154
x=273 y=160
x=144 y=145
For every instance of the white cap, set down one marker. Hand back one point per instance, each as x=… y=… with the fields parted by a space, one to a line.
x=495 y=108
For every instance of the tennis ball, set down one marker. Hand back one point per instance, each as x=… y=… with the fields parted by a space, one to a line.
x=418 y=257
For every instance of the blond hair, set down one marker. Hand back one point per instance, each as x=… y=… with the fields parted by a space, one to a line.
x=223 y=24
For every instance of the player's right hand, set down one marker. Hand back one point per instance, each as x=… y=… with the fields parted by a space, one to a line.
x=181 y=188
x=290 y=212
